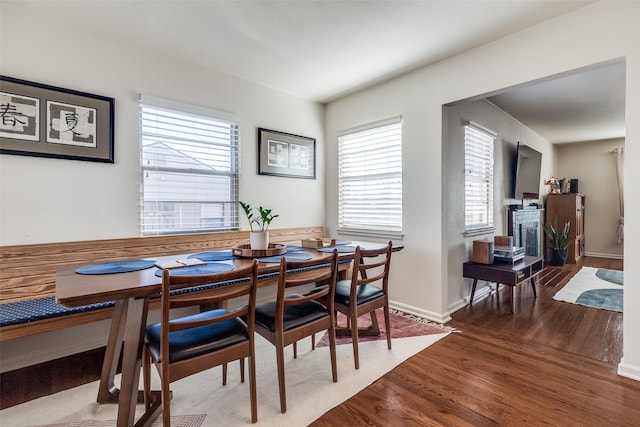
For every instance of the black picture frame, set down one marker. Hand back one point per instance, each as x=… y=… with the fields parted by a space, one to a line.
x=47 y=121
x=285 y=154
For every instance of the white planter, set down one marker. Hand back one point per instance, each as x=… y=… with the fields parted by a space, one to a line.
x=259 y=240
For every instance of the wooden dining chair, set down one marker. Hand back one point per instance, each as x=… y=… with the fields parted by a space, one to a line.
x=367 y=290
x=291 y=317
x=184 y=346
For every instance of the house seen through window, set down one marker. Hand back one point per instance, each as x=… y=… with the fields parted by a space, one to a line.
x=189 y=171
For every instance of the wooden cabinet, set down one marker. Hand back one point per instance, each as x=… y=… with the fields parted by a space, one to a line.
x=568 y=207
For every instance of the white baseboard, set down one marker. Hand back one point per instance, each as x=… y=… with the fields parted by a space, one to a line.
x=480 y=293
x=430 y=315
x=601 y=255
x=629 y=371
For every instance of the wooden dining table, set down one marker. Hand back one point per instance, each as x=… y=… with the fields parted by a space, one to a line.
x=132 y=292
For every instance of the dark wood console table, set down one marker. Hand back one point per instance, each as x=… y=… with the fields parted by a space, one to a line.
x=503 y=273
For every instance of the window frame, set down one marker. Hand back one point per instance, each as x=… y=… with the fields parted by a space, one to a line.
x=482 y=174
x=371 y=225
x=202 y=174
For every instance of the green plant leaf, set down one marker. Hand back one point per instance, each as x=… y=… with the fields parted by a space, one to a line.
x=558 y=237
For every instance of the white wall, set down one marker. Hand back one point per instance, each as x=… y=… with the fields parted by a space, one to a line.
x=581 y=160
x=594 y=34
x=509 y=131
x=50 y=200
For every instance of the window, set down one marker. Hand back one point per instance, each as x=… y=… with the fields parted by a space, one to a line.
x=370 y=178
x=189 y=170
x=478 y=179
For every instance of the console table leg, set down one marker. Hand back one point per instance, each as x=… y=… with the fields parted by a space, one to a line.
x=533 y=287
x=473 y=291
x=512 y=298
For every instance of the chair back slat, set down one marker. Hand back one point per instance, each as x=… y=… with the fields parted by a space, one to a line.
x=244 y=280
x=326 y=273
x=374 y=269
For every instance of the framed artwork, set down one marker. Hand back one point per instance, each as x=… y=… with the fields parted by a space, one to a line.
x=285 y=154
x=47 y=121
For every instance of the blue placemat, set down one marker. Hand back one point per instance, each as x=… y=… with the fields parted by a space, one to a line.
x=195 y=270
x=341 y=249
x=294 y=248
x=213 y=256
x=289 y=257
x=116 y=267
x=343 y=242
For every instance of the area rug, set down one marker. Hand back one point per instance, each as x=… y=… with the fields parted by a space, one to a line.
x=402 y=325
x=310 y=390
x=594 y=287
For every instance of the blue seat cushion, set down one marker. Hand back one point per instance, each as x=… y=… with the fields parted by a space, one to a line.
x=294 y=316
x=194 y=342
x=364 y=294
x=16 y=313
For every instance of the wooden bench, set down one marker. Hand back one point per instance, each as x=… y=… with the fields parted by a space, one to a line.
x=27 y=280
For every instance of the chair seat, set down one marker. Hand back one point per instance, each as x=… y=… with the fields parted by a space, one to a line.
x=294 y=316
x=194 y=342
x=364 y=294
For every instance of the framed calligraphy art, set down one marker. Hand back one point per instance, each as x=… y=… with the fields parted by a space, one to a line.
x=285 y=154
x=47 y=121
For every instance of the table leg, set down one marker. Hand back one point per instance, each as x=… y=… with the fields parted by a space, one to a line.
x=473 y=291
x=132 y=360
x=107 y=391
x=533 y=286
x=372 y=331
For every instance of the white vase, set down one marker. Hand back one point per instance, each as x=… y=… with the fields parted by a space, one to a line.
x=259 y=240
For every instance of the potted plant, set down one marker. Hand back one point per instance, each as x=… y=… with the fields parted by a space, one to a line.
x=559 y=240
x=258 y=239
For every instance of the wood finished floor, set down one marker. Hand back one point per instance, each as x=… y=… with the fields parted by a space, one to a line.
x=550 y=363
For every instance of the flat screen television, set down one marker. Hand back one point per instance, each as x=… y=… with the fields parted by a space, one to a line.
x=526 y=177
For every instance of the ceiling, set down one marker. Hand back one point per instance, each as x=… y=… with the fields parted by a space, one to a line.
x=322 y=50
x=585 y=105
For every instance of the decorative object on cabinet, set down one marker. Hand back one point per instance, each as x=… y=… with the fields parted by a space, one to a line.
x=285 y=154
x=568 y=208
x=47 y=121
x=553 y=184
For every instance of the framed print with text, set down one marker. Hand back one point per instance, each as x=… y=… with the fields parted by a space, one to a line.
x=47 y=121
x=285 y=154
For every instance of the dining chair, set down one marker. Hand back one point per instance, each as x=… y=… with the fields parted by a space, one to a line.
x=367 y=290
x=186 y=345
x=291 y=316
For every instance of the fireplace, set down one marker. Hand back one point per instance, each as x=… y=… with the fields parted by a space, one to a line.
x=525 y=225
x=529 y=238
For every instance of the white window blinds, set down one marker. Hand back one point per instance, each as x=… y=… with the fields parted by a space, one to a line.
x=189 y=171
x=370 y=178
x=478 y=178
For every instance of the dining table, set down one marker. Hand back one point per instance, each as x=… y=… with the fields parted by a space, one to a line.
x=134 y=284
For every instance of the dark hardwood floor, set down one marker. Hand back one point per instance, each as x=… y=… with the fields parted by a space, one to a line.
x=550 y=363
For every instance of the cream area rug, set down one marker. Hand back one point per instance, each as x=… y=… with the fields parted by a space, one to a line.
x=594 y=287
x=201 y=400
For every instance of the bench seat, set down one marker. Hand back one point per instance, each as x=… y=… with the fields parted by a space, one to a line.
x=15 y=313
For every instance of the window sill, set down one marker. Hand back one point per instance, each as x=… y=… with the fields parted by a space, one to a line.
x=371 y=233
x=479 y=231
